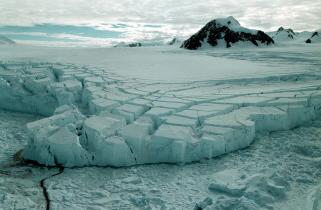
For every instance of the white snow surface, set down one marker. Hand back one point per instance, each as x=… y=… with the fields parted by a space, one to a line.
x=151 y=105
x=279 y=170
x=233 y=24
x=124 y=107
x=165 y=64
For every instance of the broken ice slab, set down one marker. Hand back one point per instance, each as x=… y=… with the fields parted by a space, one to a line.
x=65 y=148
x=137 y=110
x=141 y=101
x=100 y=104
x=247 y=100
x=213 y=107
x=144 y=121
x=168 y=144
x=228 y=182
x=170 y=105
x=37 y=85
x=113 y=151
x=54 y=140
x=73 y=85
x=97 y=128
x=159 y=111
x=136 y=135
x=94 y=80
x=206 y=110
x=235 y=137
x=182 y=121
x=288 y=101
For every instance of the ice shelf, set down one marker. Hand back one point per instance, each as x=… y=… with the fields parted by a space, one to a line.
x=94 y=117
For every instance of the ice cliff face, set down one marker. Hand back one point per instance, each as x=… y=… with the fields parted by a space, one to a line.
x=225 y=32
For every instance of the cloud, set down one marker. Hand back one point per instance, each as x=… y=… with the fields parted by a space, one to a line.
x=171 y=16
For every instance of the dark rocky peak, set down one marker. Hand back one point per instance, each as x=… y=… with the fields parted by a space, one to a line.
x=227 y=31
x=173 y=41
x=285 y=32
x=280 y=29
x=134 y=44
x=315 y=34
x=314 y=38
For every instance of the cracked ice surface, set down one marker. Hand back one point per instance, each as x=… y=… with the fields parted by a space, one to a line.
x=94 y=116
x=279 y=171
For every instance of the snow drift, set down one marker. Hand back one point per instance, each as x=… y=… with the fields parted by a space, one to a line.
x=225 y=32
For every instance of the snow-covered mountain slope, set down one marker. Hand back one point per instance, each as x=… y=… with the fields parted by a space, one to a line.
x=283 y=34
x=226 y=32
x=288 y=36
x=5 y=40
x=315 y=37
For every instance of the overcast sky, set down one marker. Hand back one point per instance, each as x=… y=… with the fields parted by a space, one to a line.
x=264 y=14
x=174 y=16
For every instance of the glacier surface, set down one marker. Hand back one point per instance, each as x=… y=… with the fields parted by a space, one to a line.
x=95 y=116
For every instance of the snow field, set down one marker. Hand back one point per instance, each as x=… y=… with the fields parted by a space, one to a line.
x=279 y=171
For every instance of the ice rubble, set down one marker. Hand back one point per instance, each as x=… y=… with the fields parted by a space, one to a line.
x=126 y=122
x=256 y=191
x=34 y=88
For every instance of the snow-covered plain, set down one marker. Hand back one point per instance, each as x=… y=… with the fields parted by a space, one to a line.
x=281 y=168
x=124 y=106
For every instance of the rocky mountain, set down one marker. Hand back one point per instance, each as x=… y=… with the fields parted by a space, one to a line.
x=5 y=40
x=174 y=41
x=315 y=37
x=226 y=32
x=283 y=34
x=134 y=44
